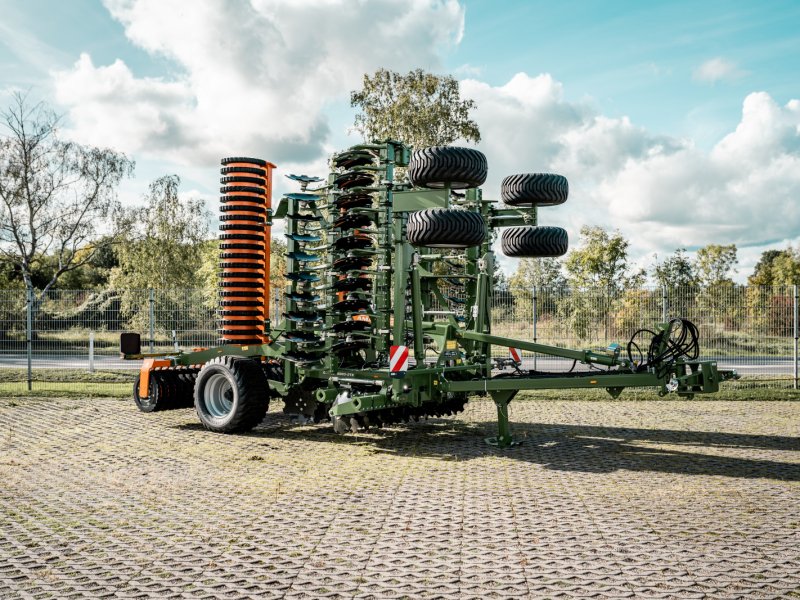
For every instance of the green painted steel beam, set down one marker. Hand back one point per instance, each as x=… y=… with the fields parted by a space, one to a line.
x=272 y=350
x=359 y=404
x=554 y=383
x=495 y=223
x=586 y=356
x=413 y=200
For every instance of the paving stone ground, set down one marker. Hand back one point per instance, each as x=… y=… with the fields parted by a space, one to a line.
x=662 y=499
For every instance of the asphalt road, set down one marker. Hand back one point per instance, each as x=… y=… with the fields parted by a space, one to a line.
x=751 y=365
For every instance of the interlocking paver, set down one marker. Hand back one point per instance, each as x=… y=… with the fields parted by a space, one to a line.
x=605 y=499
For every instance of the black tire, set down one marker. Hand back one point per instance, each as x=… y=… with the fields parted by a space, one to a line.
x=442 y=166
x=185 y=397
x=231 y=394
x=443 y=228
x=148 y=404
x=535 y=241
x=534 y=189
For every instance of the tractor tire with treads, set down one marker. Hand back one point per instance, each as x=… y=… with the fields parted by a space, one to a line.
x=443 y=228
x=535 y=241
x=231 y=394
x=442 y=166
x=534 y=189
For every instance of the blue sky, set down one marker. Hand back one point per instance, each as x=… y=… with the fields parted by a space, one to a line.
x=676 y=122
x=637 y=58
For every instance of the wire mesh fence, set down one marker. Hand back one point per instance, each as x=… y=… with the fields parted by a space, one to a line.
x=69 y=339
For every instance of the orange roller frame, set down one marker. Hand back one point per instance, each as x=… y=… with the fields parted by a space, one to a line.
x=234 y=266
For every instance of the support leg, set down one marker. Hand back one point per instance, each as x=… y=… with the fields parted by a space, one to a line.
x=504 y=438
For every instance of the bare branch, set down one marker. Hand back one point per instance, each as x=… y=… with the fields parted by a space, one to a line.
x=54 y=194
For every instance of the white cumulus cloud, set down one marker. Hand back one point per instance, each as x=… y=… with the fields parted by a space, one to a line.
x=252 y=76
x=716 y=69
x=662 y=192
x=258 y=77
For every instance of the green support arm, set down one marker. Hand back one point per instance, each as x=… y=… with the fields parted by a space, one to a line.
x=585 y=356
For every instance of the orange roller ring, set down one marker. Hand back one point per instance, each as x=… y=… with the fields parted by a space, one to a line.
x=244 y=249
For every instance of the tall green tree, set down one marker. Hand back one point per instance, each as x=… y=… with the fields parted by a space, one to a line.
x=543 y=275
x=601 y=261
x=762 y=273
x=777 y=267
x=162 y=247
x=418 y=108
x=715 y=264
x=786 y=269
x=13 y=304
x=598 y=272
x=674 y=271
x=208 y=272
x=538 y=272
x=56 y=197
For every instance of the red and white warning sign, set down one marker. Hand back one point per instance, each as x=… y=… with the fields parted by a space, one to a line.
x=515 y=355
x=398 y=360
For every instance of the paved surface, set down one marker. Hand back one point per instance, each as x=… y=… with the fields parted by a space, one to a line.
x=655 y=499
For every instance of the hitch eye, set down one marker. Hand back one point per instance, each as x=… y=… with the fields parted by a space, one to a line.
x=130 y=343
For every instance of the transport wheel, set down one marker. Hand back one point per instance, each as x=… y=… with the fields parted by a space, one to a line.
x=534 y=189
x=535 y=241
x=442 y=166
x=231 y=394
x=443 y=228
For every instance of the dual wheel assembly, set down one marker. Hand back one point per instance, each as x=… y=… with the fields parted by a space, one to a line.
x=534 y=190
x=460 y=168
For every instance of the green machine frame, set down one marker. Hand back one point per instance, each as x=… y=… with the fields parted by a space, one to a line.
x=396 y=293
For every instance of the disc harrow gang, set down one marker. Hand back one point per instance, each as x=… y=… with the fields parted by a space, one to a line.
x=303 y=322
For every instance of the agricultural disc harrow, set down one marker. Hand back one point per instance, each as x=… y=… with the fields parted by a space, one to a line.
x=377 y=264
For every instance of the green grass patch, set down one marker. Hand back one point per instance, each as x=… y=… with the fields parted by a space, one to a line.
x=49 y=383
x=49 y=389
x=67 y=376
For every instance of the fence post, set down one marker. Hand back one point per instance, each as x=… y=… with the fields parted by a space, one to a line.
x=91 y=352
x=29 y=337
x=535 y=319
x=664 y=304
x=175 y=339
x=795 y=334
x=152 y=320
